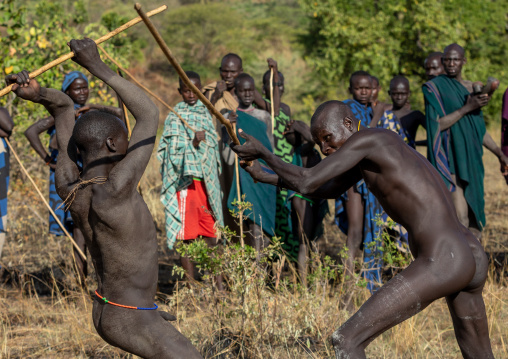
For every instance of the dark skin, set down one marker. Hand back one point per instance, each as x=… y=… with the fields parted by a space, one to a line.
x=453 y=60
x=303 y=214
x=78 y=92
x=229 y=70
x=410 y=120
x=376 y=87
x=433 y=66
x=190 y=98
x=245 y=90
x=449 y=261
x=361 y=90
x=6 y=123
x=113 y=217
x=278 y=91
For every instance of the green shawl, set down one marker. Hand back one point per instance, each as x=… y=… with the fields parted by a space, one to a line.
x=457 y=150
x=261 y=195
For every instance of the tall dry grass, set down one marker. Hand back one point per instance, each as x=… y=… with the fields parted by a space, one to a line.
x=43 y=314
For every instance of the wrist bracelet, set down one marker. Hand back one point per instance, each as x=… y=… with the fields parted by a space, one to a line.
x=277 y=83
x=50 y=159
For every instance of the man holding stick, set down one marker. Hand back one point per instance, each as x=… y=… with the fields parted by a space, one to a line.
x=449 y=261
x=113 y=217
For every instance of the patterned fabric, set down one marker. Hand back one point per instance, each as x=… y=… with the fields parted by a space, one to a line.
x=459 y=149
x=361 y=112
x=260 y=195
x=390 y=122
x=180 y=162
x=4 y=183
x=55 y=202
x=319 y=205
x=375 y=219
x=283 y=227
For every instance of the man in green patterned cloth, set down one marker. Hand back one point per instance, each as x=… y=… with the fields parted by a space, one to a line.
x=282 y=149
x=190 y=169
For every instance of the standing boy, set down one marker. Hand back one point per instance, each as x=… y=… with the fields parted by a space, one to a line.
x=115 y=221
x=261 y=219
x=400 y=118
x=190 y=169
x=357 y=209
x=281 y=148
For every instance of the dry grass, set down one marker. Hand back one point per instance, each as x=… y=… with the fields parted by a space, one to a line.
x=44 y=315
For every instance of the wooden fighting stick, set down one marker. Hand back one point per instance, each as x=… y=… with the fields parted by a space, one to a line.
x=271 y=99
x=145 y=88
x=167 y=52
x=66 y=57
x=239 y=194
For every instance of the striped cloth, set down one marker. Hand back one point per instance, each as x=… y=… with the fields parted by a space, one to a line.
x=180 y=162
x=457 y=150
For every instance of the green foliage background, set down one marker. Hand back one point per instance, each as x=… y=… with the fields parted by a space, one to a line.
x=316 y=43
x=391 y=37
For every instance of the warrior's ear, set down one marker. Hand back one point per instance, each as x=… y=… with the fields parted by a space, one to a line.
x=111 y=144
x=348 y=123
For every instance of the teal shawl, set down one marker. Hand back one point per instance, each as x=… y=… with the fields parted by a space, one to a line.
x=261 y=195
x=457 y=150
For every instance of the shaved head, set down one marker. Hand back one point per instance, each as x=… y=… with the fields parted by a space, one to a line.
x=399 y=79
x=232 y=57
x=432 y=56
x=93 y=128
x=455 y=47
x=331 y=126
x=433 y=65
x=453 y=60
x=331 y=114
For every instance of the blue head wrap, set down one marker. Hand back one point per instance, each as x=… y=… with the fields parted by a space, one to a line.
x=70 y=77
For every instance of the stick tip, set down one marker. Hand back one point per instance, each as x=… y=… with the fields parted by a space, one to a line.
x=137 y=6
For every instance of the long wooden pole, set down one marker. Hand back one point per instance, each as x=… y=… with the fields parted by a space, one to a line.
x=185 y=123
x=165 y=49
x=271 y=99
x=239 y=195
x=66 y=57
x=67 y=234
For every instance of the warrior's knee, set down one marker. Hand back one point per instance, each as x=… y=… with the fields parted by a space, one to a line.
x=342 y=344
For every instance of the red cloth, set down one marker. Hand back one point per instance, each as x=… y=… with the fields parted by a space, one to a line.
x=195 y=212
